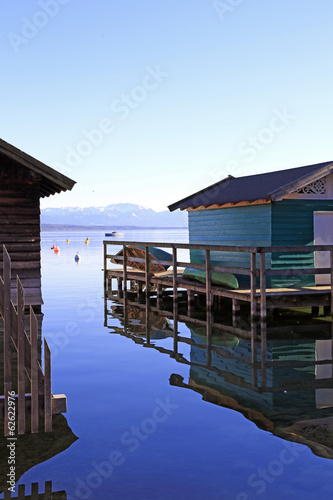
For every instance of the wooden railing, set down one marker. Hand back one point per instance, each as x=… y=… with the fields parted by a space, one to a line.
x=15 y=406
x=257 y=258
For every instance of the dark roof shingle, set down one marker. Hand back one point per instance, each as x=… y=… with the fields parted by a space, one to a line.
x=249 y=188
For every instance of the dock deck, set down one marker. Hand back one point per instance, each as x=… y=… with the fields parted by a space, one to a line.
x=260 y=298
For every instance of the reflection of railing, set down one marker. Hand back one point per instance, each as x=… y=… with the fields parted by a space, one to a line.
x=16 y=405
x=257 y=258
x=256 y=358
x=278 y=385
x=48 y=494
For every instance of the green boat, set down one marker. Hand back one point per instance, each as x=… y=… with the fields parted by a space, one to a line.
x=227 y=280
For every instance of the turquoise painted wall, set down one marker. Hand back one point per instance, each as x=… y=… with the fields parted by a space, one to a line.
x=292 y=224
x=286 y=222
x=246 y=226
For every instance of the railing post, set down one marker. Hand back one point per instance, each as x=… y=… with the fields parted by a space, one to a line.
x=125 y=269
x=21 y=357
x=7 y=335
x=263 y=311
x=47 y=389
x=105 y=265
x=34 y=373
x=208 y=280
x=175 y=299
x=331 y=256
x=147 y=270
x=253 y=284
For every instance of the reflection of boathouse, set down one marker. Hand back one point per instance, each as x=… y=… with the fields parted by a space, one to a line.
x=283 y=386
x=292 y=396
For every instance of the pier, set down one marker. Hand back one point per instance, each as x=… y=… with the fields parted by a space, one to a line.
x=260 y=298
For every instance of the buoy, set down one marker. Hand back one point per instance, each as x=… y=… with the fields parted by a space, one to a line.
x=56 y=249
x=67 y=241
x=77 y=257
x=87 y=241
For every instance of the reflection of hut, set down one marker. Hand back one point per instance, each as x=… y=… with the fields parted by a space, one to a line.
x=294 y=402
x=287 y=207
x=33 y=449
x=24 y=180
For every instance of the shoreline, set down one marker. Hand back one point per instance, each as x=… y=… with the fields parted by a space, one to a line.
x=70 y=227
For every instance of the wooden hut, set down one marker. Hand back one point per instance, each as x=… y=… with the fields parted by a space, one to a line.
x=24 y=180
x=282 y=208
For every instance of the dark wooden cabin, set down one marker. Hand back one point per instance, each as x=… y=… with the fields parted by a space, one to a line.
x=24 y=180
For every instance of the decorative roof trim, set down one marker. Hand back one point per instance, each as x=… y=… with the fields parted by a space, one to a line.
x=278 y=194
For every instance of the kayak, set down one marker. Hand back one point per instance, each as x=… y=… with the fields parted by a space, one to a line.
x=227 y=280
x=155 y=255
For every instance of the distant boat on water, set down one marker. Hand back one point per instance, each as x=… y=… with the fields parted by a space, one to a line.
x=114 y=233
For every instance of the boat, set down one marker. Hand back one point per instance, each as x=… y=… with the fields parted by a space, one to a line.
x=114 y=233
x=155 y=255
x=226 y=280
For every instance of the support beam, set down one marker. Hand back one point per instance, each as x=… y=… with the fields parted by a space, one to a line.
x=263 y=310
x=208 y=280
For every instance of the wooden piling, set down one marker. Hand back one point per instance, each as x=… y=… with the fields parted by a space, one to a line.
x=235 y=311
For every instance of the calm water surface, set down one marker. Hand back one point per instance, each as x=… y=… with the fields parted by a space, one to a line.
x=146 y=424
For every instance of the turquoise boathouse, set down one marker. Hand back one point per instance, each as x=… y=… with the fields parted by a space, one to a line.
x=282 y=208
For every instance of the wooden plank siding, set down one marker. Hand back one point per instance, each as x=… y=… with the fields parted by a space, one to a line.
x=292 y=224
x=247 y=225
x=20 y=228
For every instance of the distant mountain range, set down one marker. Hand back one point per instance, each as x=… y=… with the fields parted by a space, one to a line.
x=117 y=215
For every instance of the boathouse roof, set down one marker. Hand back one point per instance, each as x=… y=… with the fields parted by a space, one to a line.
x=50 y=181
x=271 y=186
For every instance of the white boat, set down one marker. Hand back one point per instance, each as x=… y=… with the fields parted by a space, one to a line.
x=114 y=233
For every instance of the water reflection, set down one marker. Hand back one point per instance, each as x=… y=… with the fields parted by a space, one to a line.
x=30 y=449
x=284 y=385
x=33 y=449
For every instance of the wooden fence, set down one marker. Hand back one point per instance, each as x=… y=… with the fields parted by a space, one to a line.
x=16 y=406
x=20 y=493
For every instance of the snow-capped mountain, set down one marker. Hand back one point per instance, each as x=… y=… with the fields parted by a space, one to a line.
x=120 y=214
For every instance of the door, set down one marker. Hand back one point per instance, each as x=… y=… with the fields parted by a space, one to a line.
x=323 y=235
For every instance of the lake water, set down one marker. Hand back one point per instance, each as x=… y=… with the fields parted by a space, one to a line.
x=154 y=425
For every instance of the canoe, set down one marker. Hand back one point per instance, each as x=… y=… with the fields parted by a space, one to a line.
x=155 y=255
x=227 y=280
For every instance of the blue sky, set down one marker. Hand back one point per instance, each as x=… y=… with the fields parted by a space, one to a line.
x=147 y=102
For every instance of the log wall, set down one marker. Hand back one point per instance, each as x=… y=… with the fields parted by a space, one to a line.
x=20 y=227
